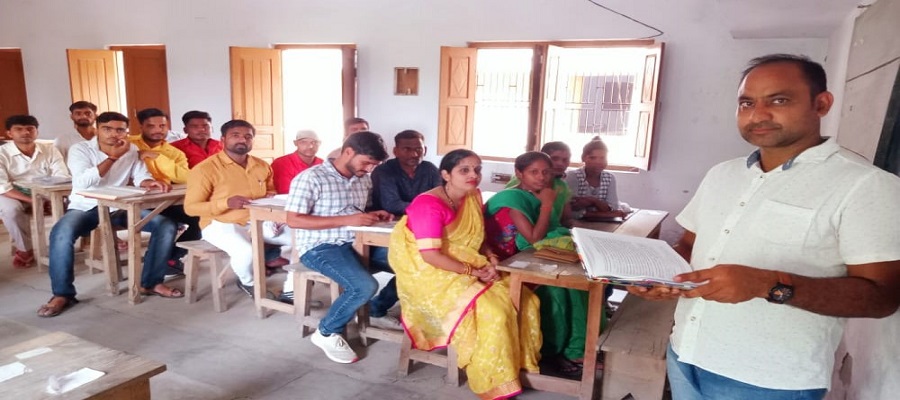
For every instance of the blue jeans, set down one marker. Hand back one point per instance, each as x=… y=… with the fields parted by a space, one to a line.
x=341 y=264
x=692 y=383
x=388 y=295
x=77 y=223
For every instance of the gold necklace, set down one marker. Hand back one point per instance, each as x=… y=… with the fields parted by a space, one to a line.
x=452 y=203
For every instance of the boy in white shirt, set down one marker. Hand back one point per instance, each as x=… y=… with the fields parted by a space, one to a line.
x=22 y=160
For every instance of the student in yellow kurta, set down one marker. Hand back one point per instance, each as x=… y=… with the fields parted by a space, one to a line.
x=167 y=164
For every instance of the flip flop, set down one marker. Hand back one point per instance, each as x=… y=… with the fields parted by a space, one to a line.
x=561 y=367
x=47 y=311
x=174 y=294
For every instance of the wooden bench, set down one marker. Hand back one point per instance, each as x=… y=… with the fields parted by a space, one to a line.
x=219 y=271
x=634 y=348
x=303 y=283
x=448 y=360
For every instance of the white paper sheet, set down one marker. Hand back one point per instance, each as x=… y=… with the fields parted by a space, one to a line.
x=33 y=353
x=63 y=384
x=12 y=370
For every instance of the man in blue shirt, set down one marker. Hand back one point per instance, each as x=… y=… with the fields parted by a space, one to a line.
x=401 y=179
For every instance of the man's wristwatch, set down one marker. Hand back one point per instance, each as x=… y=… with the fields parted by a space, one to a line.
x=783 y=291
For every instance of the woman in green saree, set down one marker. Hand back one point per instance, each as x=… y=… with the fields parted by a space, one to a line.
x=527 y=216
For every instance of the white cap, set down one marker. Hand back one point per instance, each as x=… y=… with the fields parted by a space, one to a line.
x=307 y=134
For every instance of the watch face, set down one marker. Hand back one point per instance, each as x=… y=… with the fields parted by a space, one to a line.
x=781 y=293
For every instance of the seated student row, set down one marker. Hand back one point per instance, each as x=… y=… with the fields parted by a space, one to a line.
x=242 y=143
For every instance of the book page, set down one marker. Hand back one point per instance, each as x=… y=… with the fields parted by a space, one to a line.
x=380 y=227
x=607 y=254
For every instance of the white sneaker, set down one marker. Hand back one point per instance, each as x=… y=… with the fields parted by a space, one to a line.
x=386 y=322
x=335 y=347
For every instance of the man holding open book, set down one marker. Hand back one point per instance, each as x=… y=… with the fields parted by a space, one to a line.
x=789 y=241
x=107 y=160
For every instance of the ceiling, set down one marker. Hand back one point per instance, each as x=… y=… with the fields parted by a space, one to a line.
x=771 y=19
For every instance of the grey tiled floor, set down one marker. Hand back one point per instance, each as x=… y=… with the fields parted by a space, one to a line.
x=232 y=355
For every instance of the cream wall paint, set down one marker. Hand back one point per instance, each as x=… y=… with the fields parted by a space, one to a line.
x=695 y=125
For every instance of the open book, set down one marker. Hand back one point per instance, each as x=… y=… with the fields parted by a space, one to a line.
x=629 y=260
x=113 y=192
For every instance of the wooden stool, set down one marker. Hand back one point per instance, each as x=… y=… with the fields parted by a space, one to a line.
x=303 y=283
x=448 y=361
x=634 y=348
x=219 y=271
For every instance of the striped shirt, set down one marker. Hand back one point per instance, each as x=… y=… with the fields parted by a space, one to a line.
x=322 y=191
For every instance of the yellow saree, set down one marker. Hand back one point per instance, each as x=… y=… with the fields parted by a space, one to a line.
x=443 y=308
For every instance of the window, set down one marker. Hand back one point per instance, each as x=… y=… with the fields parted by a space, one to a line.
x=292 y=87
x=524 y=95
x=126 y=79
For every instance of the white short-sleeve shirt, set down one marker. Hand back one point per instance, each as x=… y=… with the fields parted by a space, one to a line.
x=813 y=216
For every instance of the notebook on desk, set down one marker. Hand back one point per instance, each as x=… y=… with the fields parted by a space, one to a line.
x=113 y=192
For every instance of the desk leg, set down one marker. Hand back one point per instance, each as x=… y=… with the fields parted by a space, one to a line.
x=135 y=264
x=362 y=315
x=259 y=265
x=595 y=310
x=37 y=228
x=109 y=258
x=56 y=205
x=515 y=290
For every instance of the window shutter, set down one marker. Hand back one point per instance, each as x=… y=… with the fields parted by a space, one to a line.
x=456 y=104
x=646 y=108
x=256 y=96
x=12 y=84
x=94 y=77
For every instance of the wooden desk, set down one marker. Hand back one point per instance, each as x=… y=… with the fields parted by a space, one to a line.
x=571 y=275
x=127 y=375
x=56 y=195
x=260 y=213
x=643 y=223
x=365 y=240
x=156 y=202
x=566 y=275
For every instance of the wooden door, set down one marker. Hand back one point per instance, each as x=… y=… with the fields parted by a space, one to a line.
x=456 y=104
x=256 y=96
x=146 y=81
x=14 y=100
x=94 y=77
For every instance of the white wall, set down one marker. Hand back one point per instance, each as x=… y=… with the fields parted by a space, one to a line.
x=867 y=364
x=695 y=126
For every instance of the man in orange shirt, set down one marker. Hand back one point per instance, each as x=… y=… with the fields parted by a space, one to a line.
x=220 y=187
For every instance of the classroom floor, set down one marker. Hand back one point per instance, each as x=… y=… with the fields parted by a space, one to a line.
x=230 y=355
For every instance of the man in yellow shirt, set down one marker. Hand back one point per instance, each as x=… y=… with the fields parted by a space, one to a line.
x=168 y=164
x=219 y=188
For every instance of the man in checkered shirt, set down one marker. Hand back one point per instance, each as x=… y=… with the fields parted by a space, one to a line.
x=323 y=202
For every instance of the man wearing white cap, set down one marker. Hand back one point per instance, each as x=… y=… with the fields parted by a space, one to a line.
x=288 y=166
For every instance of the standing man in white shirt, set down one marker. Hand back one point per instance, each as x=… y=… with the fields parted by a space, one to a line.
x=83 y=114
x=22 y=160
x=789 y=242
x=109 y=160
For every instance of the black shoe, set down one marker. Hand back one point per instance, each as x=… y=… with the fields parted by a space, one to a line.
x=244 y=288
x=175 y=269
x=286 y=297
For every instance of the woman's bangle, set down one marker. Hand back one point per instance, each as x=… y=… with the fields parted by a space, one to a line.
x=468 y=270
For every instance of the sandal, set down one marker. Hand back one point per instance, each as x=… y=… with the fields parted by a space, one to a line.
x=561 y=367
x=174 y=293
x=23 y=259
x=52 y=309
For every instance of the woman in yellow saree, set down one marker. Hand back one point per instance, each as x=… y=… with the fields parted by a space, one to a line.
x=450 y=291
